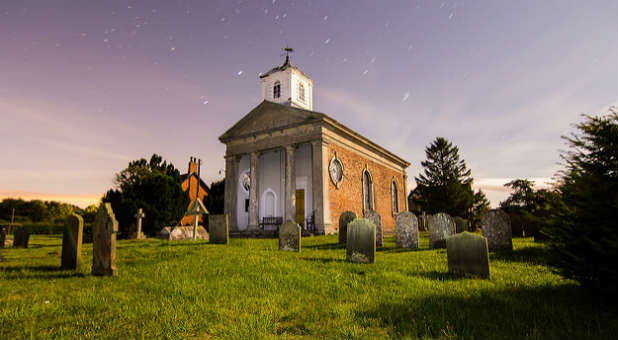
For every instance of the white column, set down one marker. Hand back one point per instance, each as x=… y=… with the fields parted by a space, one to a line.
x=319 y=183
x=405 y=191
x=231 y=190
x=290 y=184
x=253 y=193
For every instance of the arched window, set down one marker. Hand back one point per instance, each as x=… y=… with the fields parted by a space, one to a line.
x=367 y=191
x=394 y=197
x=277 y=90
x=301 y=92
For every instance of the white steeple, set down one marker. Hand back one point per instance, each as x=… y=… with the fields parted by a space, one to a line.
x=286 y=84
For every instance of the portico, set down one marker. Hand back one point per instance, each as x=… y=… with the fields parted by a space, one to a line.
x=276 y=173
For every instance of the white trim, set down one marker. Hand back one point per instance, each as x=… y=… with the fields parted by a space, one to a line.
x=373 y=202
x=395 y=195
x=263 y=203
x=241 y=184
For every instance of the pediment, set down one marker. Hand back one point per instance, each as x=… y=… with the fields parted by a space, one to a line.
x=269 y=116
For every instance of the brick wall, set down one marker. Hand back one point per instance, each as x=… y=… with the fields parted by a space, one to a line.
x=191 y=184
x=349 y=195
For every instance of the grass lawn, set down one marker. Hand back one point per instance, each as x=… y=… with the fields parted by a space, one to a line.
x=249 y=289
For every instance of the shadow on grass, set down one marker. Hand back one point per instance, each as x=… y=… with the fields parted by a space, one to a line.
x=442 y=276
x=528 y=254
x=395 y=250
x=39 y=272
x=509 y=313
x=326 y=246
x=322 y=260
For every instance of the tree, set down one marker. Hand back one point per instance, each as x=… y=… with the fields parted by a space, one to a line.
x=154 y=186
x=480 y=206
x=216 y=197
x=520 y=207
x=445 y=184
x=582 y=230
x=522 y=194
x=90 y=213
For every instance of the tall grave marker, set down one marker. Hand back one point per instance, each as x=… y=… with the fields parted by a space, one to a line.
x=104 y=232
x=361 y=241
x=376 y=219
x=289 y=236
x=467 y=254
x=406 y=230
x=344 y=220
x=496 y=226
x=440 y=227
x=219 y=229
x=72 y=242
x=139 y=235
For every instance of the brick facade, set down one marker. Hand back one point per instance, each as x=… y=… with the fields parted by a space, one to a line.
x=190 y=184
x=349 y=195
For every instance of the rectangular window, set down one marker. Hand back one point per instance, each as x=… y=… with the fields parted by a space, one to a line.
x=247 y=205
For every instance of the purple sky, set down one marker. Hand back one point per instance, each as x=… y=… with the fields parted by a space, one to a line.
x=85 y=87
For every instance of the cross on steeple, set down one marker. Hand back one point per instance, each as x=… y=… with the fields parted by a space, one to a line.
x=287 y=50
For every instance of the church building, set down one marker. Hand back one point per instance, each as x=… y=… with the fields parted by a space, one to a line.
x=284 y=161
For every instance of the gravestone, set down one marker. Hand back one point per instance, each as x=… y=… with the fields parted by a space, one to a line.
x=219 y=229
x=104 y=231
x=468 y=254
x=440 y=227
x=3 y=231
x=138 y=234
x=361 y=241
x=344 y=220
x=179 y=233
x=406 y=230
x=21 y=235
x=460 y=224
x=289 y=236
x=496 y=226
x=375 y=218
x=72 y=242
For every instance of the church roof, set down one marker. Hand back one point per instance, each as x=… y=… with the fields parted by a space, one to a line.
x=203 y=184
x=269 y=116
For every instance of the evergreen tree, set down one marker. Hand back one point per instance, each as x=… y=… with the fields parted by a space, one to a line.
x=445 y=184
x=583 y=229
x=154 y=186
x=479 y=207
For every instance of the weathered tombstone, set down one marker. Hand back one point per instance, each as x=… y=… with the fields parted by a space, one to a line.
x=72 y=242
x=104 y=232
x=468 y=254
x=496 y=227
x=344 y=220
x=139 y=235
x=219 y=229
x=289 y=236
x=375 y=218
x=440 y=227
x=179 y=233
x=406 y=230
x=21 y=235
x=361 y=241
x=3 y=231
x=460 y=224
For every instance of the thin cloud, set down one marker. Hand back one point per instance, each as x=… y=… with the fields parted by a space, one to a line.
x=83 y=149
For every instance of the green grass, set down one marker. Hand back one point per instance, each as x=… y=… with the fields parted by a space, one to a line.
x=249 y=289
